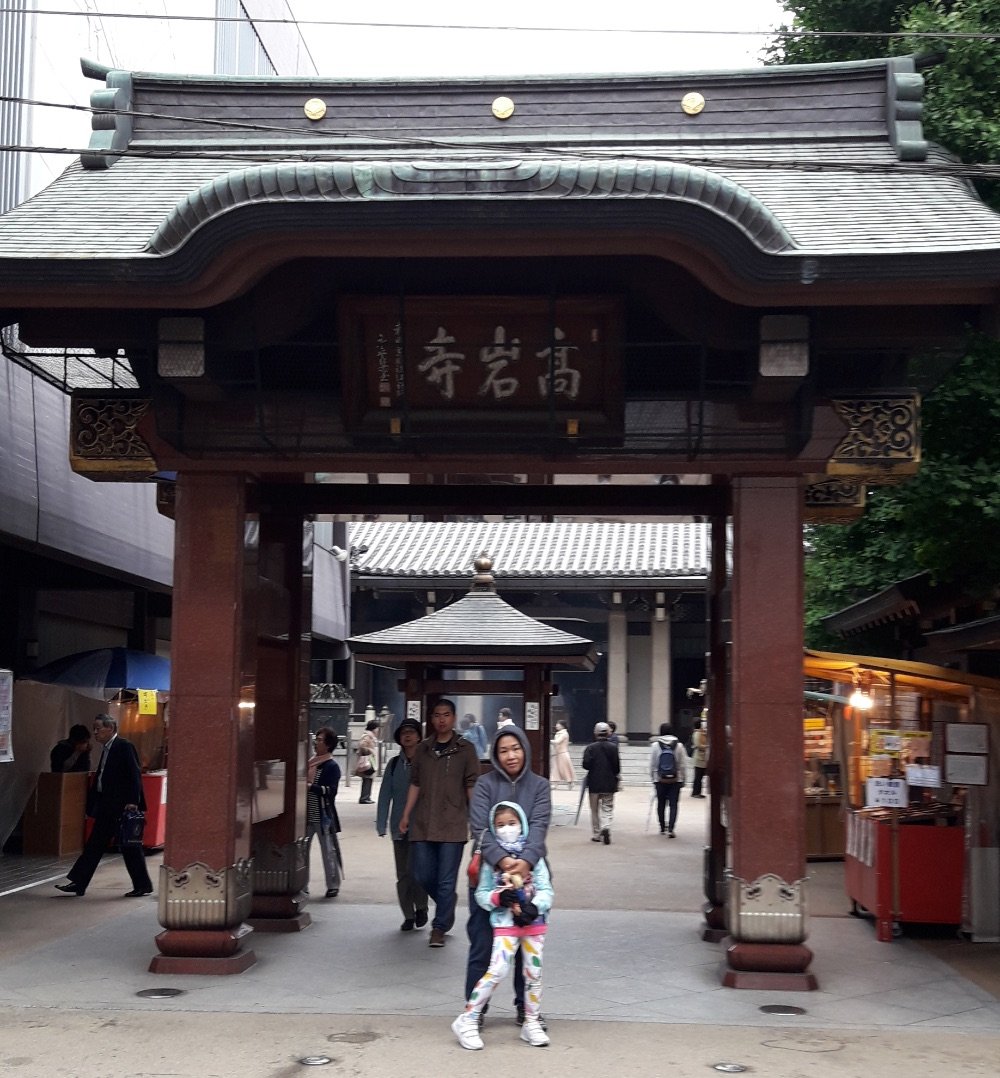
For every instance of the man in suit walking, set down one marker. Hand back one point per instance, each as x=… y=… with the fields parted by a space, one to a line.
x=117 y=786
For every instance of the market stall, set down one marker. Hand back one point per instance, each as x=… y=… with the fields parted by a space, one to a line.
x=910 y=750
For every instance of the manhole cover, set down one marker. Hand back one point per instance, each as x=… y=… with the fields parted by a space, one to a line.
x=729 y=1068
x=315 y=1061
x=782 y=1008
x=160 y=993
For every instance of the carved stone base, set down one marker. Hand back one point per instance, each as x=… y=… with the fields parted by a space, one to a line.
x=202 y=951
x=278 y=913
x=280 y=870
x=769 y=966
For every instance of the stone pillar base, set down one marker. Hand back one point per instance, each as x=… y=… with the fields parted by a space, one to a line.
x=278 y=913
x=202 y=951
x=714 y=929
x=770 y=966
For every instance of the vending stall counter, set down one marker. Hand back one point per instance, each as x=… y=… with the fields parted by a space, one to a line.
x=901 y=870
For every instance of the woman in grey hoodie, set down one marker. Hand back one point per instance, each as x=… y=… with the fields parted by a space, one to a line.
x=510 y=779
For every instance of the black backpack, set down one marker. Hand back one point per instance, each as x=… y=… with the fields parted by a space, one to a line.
x=666 y=769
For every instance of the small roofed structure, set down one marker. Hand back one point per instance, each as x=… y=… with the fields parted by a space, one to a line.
x=479 y=632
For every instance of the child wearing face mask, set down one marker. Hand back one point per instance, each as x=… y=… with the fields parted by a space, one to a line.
x=518 y=912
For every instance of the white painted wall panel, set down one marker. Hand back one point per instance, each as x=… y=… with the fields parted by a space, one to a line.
x=19 y=503
x=331 y=609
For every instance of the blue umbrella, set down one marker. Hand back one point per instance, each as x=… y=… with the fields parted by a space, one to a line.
x=107 y=669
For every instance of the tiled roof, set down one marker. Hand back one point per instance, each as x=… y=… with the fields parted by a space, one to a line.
x=862 y=202
x=815 y=160
x=609 y=551
x=480 y=624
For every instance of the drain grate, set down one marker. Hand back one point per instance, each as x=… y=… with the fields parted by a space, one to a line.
x=782 y=1008
x=160 y=993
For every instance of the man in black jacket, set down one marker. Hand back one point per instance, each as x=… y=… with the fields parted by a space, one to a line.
x=116 y=786
x=603 y=767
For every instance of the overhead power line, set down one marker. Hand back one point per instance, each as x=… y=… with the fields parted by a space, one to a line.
x=958 y=35
x=507 y=151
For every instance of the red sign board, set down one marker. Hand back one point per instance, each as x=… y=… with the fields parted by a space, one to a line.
x=542 y=364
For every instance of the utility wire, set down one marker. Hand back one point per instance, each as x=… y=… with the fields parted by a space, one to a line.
x=506 y=148
x=784 y=32
x=278 y=156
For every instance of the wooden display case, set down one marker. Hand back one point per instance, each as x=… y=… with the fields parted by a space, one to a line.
x=824 y=828
x=54 y=819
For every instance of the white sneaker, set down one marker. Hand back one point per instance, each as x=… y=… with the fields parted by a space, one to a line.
x=533 y=1033
x=466 y=1028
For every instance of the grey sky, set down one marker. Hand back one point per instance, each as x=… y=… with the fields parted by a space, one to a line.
x=444 y=49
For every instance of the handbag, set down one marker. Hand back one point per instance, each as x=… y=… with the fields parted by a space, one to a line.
x=364 y=767
x=130 y=828
x=476 y=863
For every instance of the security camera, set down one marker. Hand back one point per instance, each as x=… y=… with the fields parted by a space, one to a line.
x=339 y=553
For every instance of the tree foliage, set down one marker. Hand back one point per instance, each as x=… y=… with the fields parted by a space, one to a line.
x=947 y=519
x=836 y=16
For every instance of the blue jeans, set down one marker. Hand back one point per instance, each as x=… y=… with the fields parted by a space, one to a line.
x=434 y=865
x=480 y=933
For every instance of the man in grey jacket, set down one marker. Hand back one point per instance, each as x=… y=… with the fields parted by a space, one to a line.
x=511 y=779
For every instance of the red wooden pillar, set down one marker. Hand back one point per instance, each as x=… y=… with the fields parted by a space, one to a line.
x=765 y=897
x=284 y=622
x=205 y=881
x=717 y=699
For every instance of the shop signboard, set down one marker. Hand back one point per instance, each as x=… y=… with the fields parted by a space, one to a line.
x=886 y=793
x=926 y=776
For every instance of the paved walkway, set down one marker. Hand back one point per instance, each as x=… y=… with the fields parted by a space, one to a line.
x=629 y=986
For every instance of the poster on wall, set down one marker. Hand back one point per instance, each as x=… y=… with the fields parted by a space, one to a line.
x=6 y=715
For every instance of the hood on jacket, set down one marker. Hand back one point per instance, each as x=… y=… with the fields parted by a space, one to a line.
x=511 y=730
x=515 y=808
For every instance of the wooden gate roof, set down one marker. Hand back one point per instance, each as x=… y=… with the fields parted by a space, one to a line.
x=808 y=176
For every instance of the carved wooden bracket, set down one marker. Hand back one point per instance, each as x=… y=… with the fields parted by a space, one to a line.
x=105 y=443
x=882 y=440
x=834 y=501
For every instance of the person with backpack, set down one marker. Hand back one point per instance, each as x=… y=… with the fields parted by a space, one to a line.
x=668 y=770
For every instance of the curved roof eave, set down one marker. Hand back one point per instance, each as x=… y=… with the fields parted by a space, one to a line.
x=534 y=180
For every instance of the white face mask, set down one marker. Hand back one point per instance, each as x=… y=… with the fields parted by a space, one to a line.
x=509 y=832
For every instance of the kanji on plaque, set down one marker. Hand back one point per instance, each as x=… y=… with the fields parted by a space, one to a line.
x=497 y=358
x=543 y=363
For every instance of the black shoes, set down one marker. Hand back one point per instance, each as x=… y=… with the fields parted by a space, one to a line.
x=332 y=892
x=70 y=889
x=136 y=893
x=421 y=918
x=407 y=925
x=366 y=801
x=606 y=836
x=670 y=834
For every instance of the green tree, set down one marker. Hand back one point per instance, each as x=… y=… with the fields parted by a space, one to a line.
x=946 y=519
x=836 y=16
